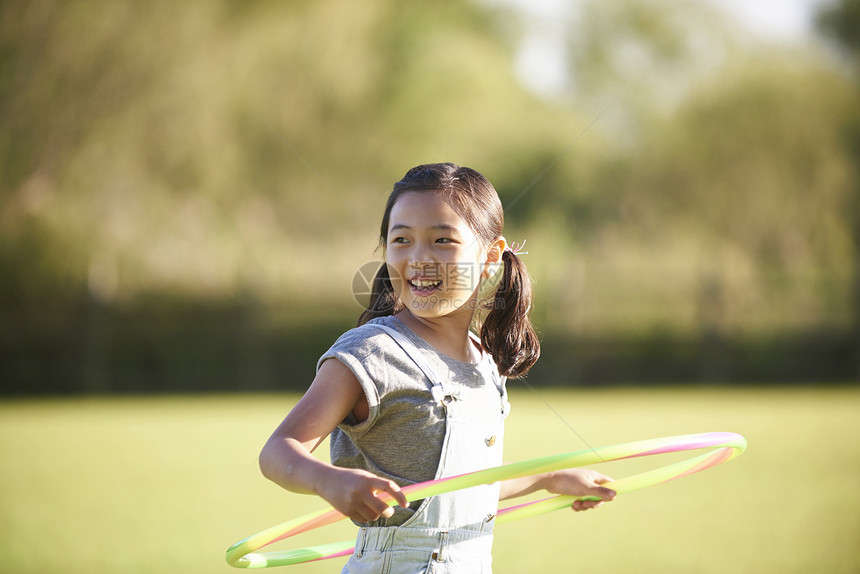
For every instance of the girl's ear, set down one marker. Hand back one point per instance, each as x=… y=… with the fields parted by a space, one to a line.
x=494 y=256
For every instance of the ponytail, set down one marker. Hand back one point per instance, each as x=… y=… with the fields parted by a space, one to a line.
x=383 y=300
x=506 y=331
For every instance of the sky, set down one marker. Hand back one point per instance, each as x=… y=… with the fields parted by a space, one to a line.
x=779 y=18
x=540 y=61
x=776 y=18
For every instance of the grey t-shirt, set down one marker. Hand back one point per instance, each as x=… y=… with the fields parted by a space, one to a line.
x=402 y=437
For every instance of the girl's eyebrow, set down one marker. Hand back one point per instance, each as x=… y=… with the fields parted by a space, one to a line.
x=441 y=226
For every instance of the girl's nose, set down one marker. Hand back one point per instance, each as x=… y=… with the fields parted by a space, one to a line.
x=421 y=254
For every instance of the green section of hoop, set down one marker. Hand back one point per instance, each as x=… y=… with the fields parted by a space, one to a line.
x=727 y=445
x=297 y=556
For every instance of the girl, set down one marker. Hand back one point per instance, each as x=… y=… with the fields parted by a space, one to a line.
x=413 y=393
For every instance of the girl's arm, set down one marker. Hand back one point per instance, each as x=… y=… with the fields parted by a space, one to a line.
x=573 y=481
x=286 y=458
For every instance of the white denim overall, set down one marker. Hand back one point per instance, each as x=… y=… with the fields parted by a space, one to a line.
x=452 y=532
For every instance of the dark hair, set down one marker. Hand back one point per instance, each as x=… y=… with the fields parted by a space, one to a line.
x=506 y=331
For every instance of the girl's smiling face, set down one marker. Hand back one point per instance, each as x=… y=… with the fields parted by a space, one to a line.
x=434 y=259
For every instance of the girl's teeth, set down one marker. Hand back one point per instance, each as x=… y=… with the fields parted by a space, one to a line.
x=423 y=283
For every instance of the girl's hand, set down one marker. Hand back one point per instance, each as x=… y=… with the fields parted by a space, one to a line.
x=355 y=493
x=581 y=482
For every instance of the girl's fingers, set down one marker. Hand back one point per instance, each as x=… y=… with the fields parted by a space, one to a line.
x=595 y=489
x=602 y=478
x=376 y=506
x=580 y=505
x=398 y=494
x=602 y=492
x=390 y=487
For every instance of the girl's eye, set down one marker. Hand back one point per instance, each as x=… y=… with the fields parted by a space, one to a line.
x=399 y=240
x=444 y=240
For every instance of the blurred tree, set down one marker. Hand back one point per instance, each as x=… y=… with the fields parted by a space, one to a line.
x=238 y=154
x=735 y=173
x=212 y=149
x=178 y=178
x=631 y=64
x=722 y=176
x=840 y=22
x=643 y=58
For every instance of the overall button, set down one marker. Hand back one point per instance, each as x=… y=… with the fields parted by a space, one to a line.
x=491 y=440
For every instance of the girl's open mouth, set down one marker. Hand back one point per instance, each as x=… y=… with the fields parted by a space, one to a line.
x=424 y=286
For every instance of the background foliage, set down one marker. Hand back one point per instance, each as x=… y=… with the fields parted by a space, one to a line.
x=187 y=190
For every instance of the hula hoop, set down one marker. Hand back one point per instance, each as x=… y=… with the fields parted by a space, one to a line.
x=727 y=446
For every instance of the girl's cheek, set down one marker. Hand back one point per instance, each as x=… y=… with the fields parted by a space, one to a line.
x=395 y=276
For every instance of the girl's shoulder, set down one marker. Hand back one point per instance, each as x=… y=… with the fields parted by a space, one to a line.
x=367 y=339
x=373 y=354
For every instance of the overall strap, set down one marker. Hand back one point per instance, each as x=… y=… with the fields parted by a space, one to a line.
x=437 y=388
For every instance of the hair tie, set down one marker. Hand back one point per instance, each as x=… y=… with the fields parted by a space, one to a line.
x=515 y=248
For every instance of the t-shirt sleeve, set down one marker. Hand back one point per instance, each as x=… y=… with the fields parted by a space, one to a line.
x=353 y=349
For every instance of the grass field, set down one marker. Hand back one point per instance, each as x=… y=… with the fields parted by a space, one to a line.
x=152 y=485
